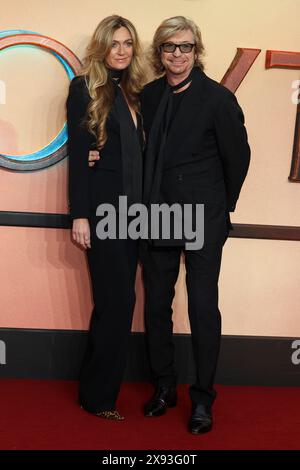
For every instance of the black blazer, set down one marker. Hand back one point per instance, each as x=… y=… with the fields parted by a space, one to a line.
x=206 y=153
x=109 y=178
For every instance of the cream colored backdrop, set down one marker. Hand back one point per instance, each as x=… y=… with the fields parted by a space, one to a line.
x=43 y=276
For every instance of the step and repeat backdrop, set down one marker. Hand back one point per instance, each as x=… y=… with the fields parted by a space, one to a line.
x=253 y=48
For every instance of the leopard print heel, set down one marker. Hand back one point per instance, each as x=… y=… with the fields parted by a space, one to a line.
x=113 y=415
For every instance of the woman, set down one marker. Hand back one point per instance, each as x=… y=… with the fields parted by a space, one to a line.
x=102 y=113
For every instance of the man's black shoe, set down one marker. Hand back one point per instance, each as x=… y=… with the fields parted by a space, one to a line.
x=201 y=419
x=163 y=398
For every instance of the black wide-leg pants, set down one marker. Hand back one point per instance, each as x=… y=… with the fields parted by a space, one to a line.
x=112 y=265
x=160 y=272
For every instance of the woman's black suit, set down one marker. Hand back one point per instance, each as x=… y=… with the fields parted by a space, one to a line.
x=112 y=262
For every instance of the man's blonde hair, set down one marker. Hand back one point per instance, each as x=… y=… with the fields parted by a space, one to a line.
x=167 y=29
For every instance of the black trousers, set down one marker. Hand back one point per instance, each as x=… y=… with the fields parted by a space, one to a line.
x=112 y=265
x=160 y=272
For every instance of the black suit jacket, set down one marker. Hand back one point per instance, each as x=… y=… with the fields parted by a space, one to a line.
x=112 y=175
x=206 y=154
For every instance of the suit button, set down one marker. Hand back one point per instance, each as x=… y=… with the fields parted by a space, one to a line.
x=179 y=177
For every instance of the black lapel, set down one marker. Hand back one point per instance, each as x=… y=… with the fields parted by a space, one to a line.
x=150 y=99
x=154 y=155
x=131 y=151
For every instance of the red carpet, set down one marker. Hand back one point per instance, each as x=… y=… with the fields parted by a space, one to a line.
x=37 y=414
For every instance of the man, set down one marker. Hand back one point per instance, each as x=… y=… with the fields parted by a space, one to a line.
x=197 y=153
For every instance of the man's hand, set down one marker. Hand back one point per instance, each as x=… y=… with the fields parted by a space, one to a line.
x=93 y=157
x=81 y=233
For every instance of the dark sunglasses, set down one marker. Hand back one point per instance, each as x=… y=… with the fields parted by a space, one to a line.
x=171 y=47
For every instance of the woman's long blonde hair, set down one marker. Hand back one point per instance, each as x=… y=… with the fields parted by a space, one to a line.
x=96 y=75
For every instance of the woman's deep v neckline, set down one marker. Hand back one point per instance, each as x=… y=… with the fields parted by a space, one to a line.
x=132 y=113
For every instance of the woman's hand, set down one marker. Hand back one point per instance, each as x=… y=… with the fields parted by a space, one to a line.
x=93 y=157
x=81 y=232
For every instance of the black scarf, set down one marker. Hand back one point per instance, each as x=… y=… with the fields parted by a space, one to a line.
x=130 y=145
x=154 y=158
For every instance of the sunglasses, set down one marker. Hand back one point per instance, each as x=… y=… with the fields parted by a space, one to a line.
x=171 y=47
